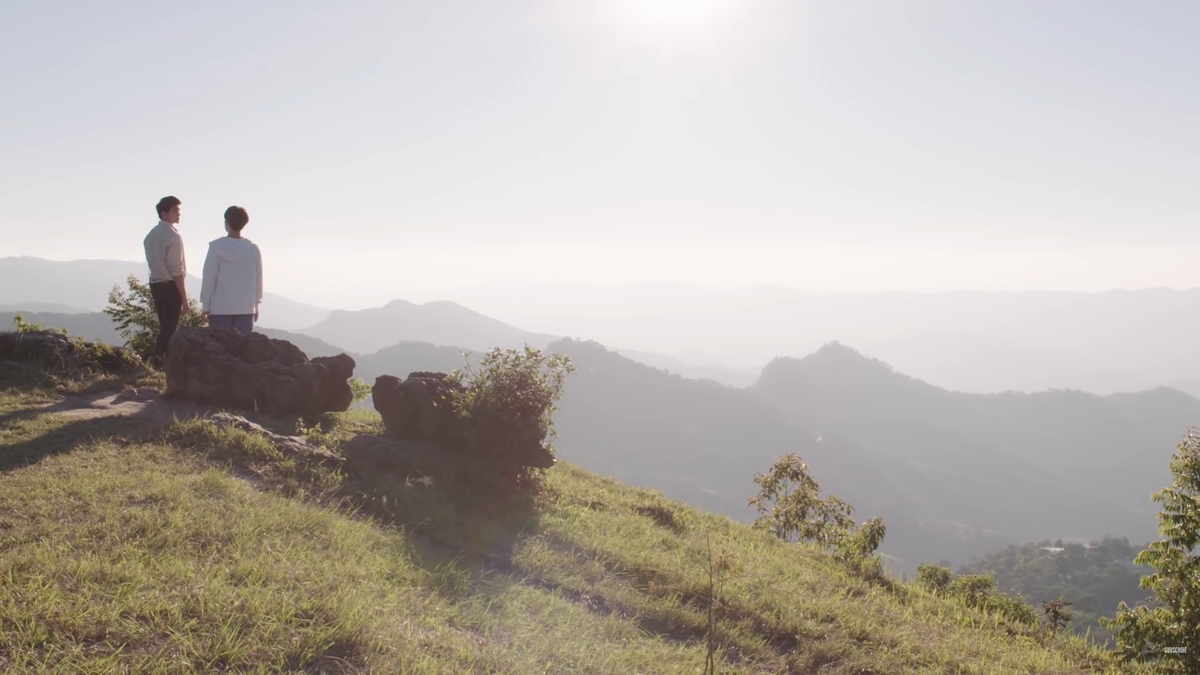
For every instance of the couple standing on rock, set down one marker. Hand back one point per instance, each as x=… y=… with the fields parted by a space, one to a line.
x=232 y=286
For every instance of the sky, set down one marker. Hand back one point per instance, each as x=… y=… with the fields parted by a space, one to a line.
x=422 y=150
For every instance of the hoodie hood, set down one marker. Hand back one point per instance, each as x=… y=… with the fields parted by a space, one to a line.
x=230 y=248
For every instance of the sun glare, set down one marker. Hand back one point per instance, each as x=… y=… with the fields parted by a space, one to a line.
x=675 y=12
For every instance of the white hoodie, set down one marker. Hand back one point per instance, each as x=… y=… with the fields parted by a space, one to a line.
x=233 y=282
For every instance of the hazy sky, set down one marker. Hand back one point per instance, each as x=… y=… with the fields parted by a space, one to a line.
x=396 y=149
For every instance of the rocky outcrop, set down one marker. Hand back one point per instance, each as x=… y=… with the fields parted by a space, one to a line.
x=55 y=351
x=420 y=409
x=296 y=447
x=222 y=367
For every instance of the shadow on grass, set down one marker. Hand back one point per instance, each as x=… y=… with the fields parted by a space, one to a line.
x=460 y=511
x=72 y=435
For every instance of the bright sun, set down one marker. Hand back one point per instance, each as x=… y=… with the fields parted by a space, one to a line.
x=675 y=12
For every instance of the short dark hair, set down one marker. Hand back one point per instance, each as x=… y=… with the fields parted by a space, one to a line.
x=237 y=218
x=166 y=204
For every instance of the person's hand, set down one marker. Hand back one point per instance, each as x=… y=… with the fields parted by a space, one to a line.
x=256 y=316
x=183 y=306
x=204 y=317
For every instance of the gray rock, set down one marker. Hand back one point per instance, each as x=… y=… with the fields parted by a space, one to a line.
x=420 y=409
x=222 y=367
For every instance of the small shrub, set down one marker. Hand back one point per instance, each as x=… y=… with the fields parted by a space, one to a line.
x=1055 y=615
x=513 y=394
x=1014 y=609
x=972 y=588
x=359 y=390
x=514 y=386
x=137 y=322
x=864 y=540
x=20 y=325
x=934 y=577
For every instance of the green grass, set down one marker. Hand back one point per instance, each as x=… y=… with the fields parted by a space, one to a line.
x=131 y=548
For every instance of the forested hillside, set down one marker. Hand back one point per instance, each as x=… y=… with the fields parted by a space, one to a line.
x=1093 y=576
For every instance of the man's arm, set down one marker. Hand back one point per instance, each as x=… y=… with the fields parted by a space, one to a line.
x=259 y=293
x=177 y=268
x=208 y=283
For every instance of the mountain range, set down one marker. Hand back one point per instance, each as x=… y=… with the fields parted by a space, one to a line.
x=971 y=341
x=954 y=475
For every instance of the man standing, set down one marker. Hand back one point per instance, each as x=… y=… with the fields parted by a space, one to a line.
x=232 y=287
x=168 y=267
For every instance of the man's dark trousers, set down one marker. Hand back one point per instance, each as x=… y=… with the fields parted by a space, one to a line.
x=168 y=305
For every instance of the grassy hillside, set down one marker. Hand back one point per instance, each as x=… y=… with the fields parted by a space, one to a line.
x=128 y=545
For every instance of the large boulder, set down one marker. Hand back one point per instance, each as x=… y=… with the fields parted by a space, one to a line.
x=222 y=367
x=420 y=409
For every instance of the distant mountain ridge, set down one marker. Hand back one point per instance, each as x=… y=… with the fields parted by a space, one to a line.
x=440 y=323
x=42 y=307
x=974 y=341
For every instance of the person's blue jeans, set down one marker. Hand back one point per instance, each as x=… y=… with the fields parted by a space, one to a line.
x=244 y=323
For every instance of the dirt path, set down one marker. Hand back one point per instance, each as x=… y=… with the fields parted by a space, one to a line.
x=145 y=403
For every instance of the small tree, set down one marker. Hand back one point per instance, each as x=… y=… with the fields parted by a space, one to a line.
x=1169 y=634
x=790 y=506
x=137 y=322
x=1055 y=615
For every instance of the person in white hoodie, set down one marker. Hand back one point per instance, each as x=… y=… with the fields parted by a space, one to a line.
x=232 y=288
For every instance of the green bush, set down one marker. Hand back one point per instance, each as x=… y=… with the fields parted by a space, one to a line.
x=512 y=394
x=137 y=322
x=359 y=389
x=972 y=589
x=1013 y=609
x=934 y=577
x=20 y=325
